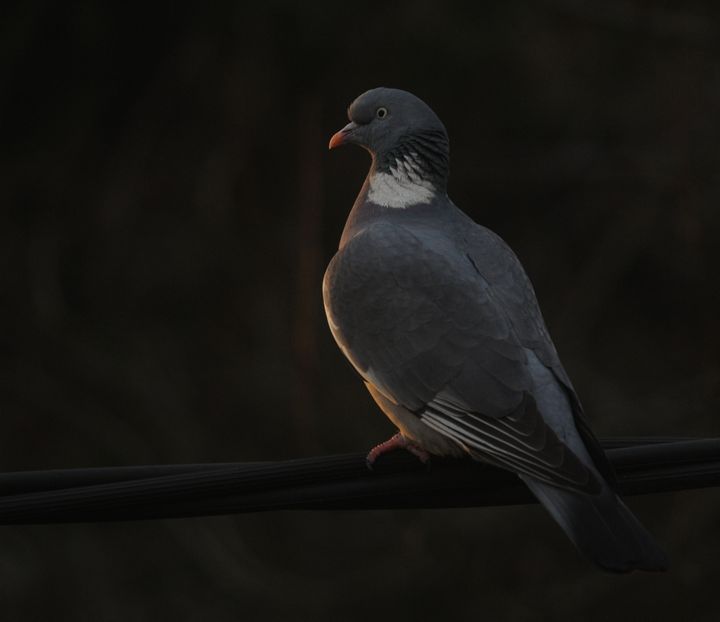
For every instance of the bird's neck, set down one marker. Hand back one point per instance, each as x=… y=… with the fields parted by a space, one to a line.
x=394 y=193
x=412 y=173
x=399 y=186
x=409 y=179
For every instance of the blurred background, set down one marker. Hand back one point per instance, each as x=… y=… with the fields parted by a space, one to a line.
x=167 y=209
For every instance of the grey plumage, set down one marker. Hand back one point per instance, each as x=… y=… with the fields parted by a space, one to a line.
x=439 y=318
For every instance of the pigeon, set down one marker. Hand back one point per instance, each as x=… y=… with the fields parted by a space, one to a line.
x=438 y=317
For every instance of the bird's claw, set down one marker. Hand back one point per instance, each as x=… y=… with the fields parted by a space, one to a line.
x=397 y=442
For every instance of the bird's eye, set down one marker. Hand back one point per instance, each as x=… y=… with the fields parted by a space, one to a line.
x=381 y=113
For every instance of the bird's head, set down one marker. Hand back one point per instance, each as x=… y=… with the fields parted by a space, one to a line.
x=395 y=125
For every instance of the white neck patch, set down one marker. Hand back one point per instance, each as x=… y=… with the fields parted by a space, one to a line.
x=402 y=187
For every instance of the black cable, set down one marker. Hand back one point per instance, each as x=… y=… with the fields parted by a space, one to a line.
x=398 y=480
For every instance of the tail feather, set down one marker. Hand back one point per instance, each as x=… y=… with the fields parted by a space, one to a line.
x=601 y=527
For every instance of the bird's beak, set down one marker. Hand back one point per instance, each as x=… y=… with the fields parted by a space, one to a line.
x=343 y=136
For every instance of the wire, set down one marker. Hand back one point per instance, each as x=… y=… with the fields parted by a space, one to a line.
x=343 y=482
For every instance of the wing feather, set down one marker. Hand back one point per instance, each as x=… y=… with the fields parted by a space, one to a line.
x=522 y=442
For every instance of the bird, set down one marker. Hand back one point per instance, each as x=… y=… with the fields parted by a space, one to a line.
x=440 y=320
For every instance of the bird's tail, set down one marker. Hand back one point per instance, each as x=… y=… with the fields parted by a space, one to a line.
x=601 y=527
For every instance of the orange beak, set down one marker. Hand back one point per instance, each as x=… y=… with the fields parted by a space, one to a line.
x=341 y=137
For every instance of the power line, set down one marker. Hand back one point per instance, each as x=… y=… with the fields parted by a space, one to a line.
x=342 y=482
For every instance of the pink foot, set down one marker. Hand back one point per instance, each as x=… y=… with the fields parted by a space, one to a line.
x=396 y=442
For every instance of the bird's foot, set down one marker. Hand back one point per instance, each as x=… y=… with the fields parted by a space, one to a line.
x=397 y=442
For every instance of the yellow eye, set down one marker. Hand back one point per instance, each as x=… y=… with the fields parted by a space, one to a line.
x=381 y=113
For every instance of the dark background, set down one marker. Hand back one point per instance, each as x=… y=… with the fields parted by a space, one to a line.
x=168 y=206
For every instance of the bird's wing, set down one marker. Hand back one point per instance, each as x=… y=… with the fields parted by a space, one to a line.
x=501 y=267
x=418 y=322
x=520 y=441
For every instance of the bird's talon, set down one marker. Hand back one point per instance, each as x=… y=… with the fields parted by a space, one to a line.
x=397 y=442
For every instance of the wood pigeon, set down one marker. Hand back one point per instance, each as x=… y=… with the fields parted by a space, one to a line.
x=437 y=315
